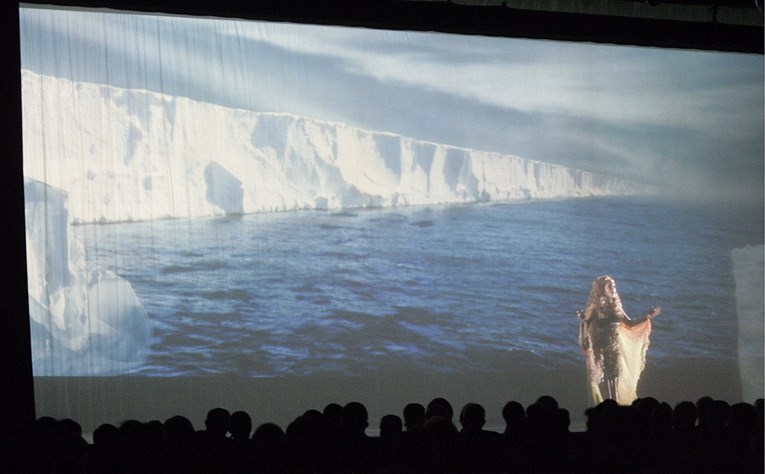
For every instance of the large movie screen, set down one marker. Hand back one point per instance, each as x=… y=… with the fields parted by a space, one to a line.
x=271 y=216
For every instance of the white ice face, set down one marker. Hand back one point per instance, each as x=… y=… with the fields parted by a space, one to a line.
x=159 y=156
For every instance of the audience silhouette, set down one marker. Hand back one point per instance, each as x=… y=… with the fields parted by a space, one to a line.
x=648 y=436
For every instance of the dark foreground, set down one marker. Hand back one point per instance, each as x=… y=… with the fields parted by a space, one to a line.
x=649 y=436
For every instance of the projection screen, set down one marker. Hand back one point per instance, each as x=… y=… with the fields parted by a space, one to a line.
x=271 y=217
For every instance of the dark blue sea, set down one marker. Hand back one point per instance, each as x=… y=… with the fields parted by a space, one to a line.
x=440 y=288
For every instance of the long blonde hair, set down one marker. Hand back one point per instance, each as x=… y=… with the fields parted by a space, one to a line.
x=599 y=305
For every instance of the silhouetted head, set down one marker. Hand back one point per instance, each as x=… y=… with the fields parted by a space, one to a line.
x=596 y=415
x=390 y=426
x=541 y=417
x=240 y=425
x=355 y=417
x=334 y=413
x=414 y=416
x=216 y=423
x=439 y=407
x=472 y=417
x=513 y=412
x=69 y=427
x=179 y=430
x=548 y=400
x=562 y=419
x=684 y=415
x=645 y=406
x=718 y=414
x=268 y=434
x=106 y=436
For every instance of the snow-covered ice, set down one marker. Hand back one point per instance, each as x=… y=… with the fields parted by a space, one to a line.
x=83 y=321
x=130 y=155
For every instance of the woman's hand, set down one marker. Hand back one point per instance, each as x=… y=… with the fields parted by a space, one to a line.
x=653 y=312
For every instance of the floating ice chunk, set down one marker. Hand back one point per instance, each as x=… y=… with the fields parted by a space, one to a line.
x=122 y=325
x=83 y=321
x=46 y=218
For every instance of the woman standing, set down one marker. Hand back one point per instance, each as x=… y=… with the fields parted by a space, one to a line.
x=614 y=345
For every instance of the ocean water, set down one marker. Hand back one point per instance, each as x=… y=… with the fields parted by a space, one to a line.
x=444 y=289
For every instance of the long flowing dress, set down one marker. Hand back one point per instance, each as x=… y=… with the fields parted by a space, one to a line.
x=615 y=353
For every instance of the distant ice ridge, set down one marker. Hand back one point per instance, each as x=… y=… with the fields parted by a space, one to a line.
x=130 y=155
x=83 y=321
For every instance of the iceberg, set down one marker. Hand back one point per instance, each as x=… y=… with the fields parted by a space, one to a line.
x=83 y=321
x=132 y=155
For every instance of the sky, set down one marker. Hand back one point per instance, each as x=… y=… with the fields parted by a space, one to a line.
x=689 y=123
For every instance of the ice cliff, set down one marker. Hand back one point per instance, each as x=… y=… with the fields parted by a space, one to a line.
x=129 y=155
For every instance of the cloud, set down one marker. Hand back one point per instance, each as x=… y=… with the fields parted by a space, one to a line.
x=615 y=83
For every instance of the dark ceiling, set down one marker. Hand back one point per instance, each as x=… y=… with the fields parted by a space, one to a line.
x=724 y=25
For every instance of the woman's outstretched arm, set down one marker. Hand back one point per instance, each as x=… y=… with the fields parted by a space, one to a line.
x=652 y=313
